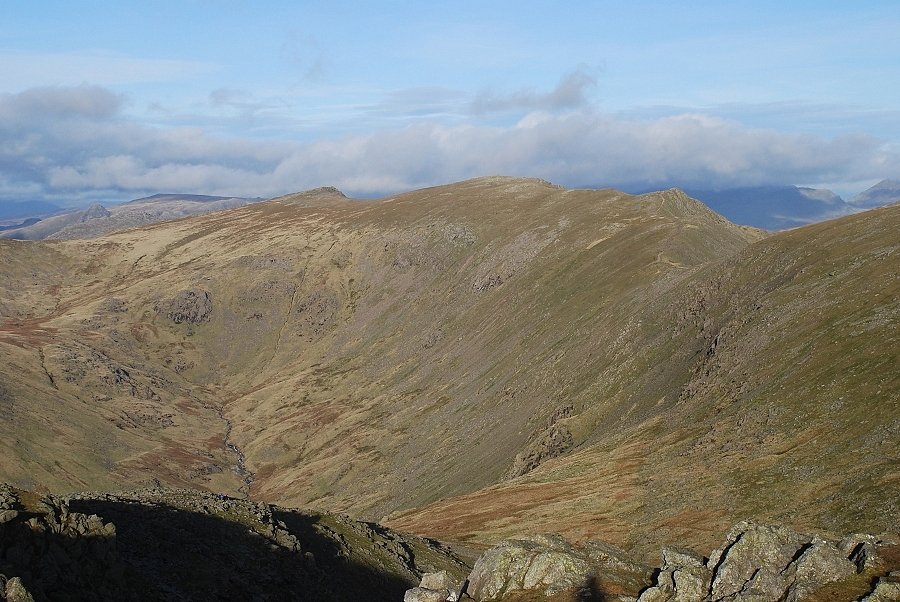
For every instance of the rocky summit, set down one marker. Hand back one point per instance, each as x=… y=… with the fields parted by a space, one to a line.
x=478 y=363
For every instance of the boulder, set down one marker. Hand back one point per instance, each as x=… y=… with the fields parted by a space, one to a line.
x=820 y=563
x=543 y=561
x=683 y=577
x=435 y=586
x=887 y=589
x=862 y=549
x=421 y=594
x=751 y=561
x=550 y=564
x=438 y=581
x=16 y=592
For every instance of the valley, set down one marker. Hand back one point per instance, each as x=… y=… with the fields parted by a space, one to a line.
x=472 y=362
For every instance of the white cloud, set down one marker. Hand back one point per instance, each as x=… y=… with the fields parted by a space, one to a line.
x=56 y=102
x=82 y=147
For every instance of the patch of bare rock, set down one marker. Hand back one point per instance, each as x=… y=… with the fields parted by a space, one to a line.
x=193 y=306
x=756 y=563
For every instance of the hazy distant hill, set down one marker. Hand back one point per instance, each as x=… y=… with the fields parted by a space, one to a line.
x=54 y=224
x=22 y=224
x=21 y=209
x=97 y=220
x=885 y=192
x=483 y=359
x=774 y=207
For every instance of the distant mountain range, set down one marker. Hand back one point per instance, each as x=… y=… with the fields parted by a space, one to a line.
x=885 y=192
x=767 y=207
x=780 y=207
x=97 y=219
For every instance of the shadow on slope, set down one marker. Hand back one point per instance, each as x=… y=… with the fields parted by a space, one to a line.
x=204 y=557
x=143 y=548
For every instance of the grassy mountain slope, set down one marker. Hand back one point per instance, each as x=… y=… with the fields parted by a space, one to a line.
x=596 y=360
x=791 y=412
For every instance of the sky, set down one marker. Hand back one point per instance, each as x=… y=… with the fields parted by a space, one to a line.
x=105 y=101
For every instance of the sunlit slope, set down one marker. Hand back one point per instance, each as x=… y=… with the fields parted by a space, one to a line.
x=790 y=412
x=426 y=347
x=365 y=356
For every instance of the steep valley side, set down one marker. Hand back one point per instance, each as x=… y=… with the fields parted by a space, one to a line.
x=476 y=360
x=791 y=412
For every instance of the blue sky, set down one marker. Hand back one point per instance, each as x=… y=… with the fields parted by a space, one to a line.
x=113 y=100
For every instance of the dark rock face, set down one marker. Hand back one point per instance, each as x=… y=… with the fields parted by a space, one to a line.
x=316 y=313
x=554 y=441
x=48 y=552
x=192 y=307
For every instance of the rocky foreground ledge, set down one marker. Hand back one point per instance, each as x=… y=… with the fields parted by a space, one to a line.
x=165 y=544
x=756 y=563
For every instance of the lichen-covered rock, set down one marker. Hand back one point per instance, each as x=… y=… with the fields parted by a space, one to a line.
x=551 y=564
x=7 y=515
x=820 y=563
x=545 y=561
x=439 y=580
x=682 y=558
x=760 y=563
x=443 y=583
x=16 y=592
x=422 y=594
x=861 y=549
x=751 y=561
x=887 y=589
x=683 y=577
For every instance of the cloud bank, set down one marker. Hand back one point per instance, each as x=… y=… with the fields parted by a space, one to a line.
x=71 y=143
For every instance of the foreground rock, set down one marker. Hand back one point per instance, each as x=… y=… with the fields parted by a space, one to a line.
x=165 y=544
x=756 y=563
x=554 y=567
x=763 y=563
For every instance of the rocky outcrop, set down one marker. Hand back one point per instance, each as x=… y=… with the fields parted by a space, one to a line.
x=554 y=441
x=551 y=564
x=169 y=544
x=767 y=563
x=438 y=587
x=48 y=552
x=887 y=589
x=756 y=563
x=191 y=307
